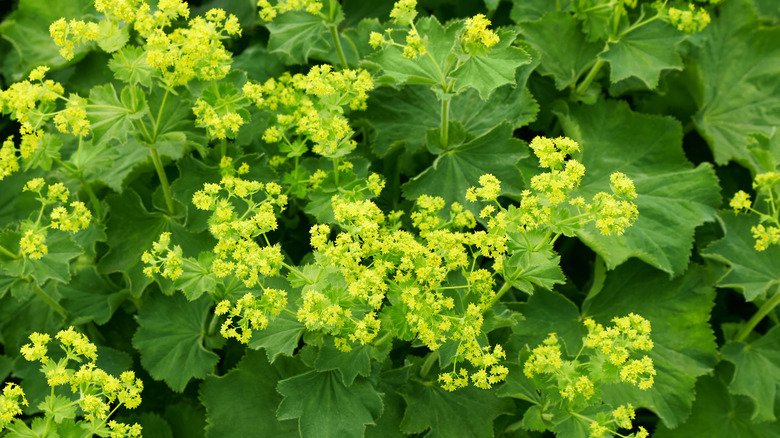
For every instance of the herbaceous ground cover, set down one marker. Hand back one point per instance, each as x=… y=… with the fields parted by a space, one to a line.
x=432 y=218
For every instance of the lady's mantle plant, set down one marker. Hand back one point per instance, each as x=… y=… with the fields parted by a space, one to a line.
x=440 y=219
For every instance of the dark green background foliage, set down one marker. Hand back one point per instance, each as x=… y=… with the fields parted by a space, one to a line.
x=690 y=118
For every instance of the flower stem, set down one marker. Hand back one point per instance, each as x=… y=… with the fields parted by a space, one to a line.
x=50 y=301
x=758 y=316
x=445 y=123
x=163 y=180
x=334 y=33
x=4 y=250
x=594 y=70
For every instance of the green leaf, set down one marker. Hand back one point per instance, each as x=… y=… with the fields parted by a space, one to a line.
x=752 y=272
x=467 y=412
x=422 y=70
x=112 y=37
x=497 y=67
x=404 y=116
x=170 y=339
x=348 y=364
x=299 y=36
x=757 y=373
x=325 y=407
x=131 y=231
x=548 y=312
x=531 y=10
x=27 y=29
x=565 y=52
x=459 y=168
x=197 y=277
x=88 y=297
x=243 y=402
x=279 y=338
x=129 y=65
x=673 y=307
x=739 y=62
x=529 y=268
x=58 y=408
x=650 y=153
x=111 y=116
x=645 y=52
x=54 y=265
x=717 y=414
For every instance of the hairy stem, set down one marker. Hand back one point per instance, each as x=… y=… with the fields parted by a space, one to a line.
x=445 y=123
x=758 y=316
x=50 y=301
x=163 y=180
x=334 y=33
x=5 y=251
x=594 y=70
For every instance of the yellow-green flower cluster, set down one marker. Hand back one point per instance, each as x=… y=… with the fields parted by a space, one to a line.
x=32 y=102
x=33 y=242
x=162 y=259
x=764 y=184
x=490 y=188
x=98 y=392
x=375 y=259
x=11 y=401
x=403 y=14
x=236 y=227
x=689 y=20
x=268 y=11
x=617 y=344
x=313 y=105
x=614 y=358
x=221 y=126
x=195 y=51
x=250 y=313
x=612 y=212
x=67 y=34
x=476 y=31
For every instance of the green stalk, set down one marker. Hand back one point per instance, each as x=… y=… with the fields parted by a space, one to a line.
x=426 y=366
x=594 y=70
x=758 y=316
x=50 y=301
x=334 y=33
x=4 y=250
x=445 y=123
x=163 y=180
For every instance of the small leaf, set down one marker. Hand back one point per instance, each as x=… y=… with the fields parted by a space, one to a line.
x=170 y=339
x=757 y=373
x=348 y=364
x=752 y=272
x=279 y=338
x=422 y=70
x=129 y=65
x=487 y=72
x=325 y=407
x=58 y=408
x=197 y=277
x=110 y=116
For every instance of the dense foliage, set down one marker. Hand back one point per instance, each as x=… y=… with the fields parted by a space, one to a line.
x=429 y=218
